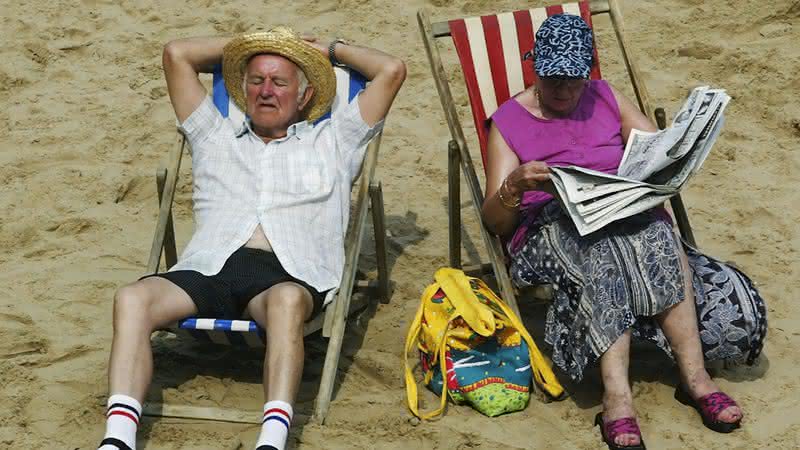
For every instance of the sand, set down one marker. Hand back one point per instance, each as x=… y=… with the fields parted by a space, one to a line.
x=86 y=121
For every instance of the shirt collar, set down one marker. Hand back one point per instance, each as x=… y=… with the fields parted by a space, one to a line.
x=297 y=129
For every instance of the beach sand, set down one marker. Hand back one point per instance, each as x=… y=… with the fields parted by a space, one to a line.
x=86 y=122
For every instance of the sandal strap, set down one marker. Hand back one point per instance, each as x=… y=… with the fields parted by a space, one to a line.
x=625 y=425
x=713 y=404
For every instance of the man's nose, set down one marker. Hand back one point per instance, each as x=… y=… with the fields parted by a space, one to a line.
x=267 y=89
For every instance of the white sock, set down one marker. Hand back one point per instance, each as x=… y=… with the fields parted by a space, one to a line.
x=122 y=420
x=275 y=427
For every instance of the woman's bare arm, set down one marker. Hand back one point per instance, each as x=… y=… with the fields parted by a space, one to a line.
x=630 y=116
x=505 y=175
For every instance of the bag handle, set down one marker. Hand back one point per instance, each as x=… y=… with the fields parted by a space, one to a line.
x=455 y=285
x=412 y=396
x=542 y=372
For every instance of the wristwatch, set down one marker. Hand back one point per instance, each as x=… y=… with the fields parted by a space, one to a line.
x=332 y=51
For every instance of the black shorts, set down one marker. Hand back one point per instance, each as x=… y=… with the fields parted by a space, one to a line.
x=247 y=273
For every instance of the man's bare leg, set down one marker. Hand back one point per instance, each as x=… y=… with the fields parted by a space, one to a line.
x=282 y=311
x=617 y=396
x=139 y=309
x=679 y=324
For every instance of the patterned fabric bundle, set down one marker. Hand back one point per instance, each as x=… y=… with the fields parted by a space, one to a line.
x=464 y=330
x=620 y=277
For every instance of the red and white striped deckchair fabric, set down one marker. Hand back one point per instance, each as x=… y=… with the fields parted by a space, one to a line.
x=490 y=49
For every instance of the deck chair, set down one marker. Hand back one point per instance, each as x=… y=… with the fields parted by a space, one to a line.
x=490 y=50
x=331 y=321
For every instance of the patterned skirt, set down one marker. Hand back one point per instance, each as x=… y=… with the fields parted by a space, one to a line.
x=624 y=274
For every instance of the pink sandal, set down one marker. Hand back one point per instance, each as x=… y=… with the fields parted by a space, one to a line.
x=610 y=431
x=710 y=406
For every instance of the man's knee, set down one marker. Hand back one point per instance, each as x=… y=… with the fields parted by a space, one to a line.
x=132 y=305
x=289 y=305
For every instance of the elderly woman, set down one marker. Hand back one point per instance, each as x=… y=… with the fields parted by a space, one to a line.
x=631 y=278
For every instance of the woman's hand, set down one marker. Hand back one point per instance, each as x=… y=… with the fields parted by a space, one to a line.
x=531 y=176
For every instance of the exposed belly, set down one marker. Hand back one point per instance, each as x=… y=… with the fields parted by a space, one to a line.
x=258 y=240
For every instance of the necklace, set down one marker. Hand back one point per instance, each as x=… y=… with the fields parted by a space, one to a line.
x=573 y=139
x=545 y=114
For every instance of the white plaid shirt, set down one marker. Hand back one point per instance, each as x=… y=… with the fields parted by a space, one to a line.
x=297 y=188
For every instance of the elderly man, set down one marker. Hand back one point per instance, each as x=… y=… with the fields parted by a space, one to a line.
x=271 y=198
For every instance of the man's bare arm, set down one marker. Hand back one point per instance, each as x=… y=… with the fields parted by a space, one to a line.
x=183 y=60
x=385 y=72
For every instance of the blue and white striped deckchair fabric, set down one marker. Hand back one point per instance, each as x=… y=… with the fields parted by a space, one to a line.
x=348 y=81
x=247 y=332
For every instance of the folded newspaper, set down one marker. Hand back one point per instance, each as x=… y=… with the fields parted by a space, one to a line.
x=654 y=167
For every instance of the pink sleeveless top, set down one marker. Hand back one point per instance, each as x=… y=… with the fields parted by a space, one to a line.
x=590 y=137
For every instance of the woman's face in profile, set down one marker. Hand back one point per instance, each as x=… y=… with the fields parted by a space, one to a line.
x=560 y=95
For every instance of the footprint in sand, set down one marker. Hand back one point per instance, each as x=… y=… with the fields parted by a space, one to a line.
x=71 y=226
x=9 y=83
x=700 y=50
x=38 y=53
x=133 y=188
x=19 y=339
x=73 y=353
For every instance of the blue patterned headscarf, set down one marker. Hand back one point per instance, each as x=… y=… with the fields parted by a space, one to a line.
x=563 y=47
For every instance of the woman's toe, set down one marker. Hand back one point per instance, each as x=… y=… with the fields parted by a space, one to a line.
x=730 y=414
x=627 y=440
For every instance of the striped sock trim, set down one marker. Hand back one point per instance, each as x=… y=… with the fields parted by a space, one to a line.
x=121 y=409
x=123 y=413
x=279 y=419
x=278 y=411
x=123 y=405
x=275 y=425
x=277 y=414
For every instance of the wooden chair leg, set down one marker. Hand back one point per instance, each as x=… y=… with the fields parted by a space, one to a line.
x=201 y=413
x=328 y=377
x=343 y=307
x=683 y=219
x=379 y=225
x=165 y=205
x=677 y=202
x=454 y=203
x=504 y=281
x=170 y=251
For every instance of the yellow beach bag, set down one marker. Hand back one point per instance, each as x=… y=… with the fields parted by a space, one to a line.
x=463 y=330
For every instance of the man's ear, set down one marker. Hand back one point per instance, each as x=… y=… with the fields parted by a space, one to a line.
x=306 y=97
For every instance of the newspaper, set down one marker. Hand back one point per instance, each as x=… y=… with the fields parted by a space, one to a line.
x=654 y=166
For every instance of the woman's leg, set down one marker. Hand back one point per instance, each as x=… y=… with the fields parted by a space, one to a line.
x=617 y=396
x=679 y=324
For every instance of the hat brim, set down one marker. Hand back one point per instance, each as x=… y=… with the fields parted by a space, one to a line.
x=283 y=42
x=562 y=66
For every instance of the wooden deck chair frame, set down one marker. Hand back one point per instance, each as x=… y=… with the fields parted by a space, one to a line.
x=331 y=321
x=459 y=155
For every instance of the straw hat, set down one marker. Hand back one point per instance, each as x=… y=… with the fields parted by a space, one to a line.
x=285 y=42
